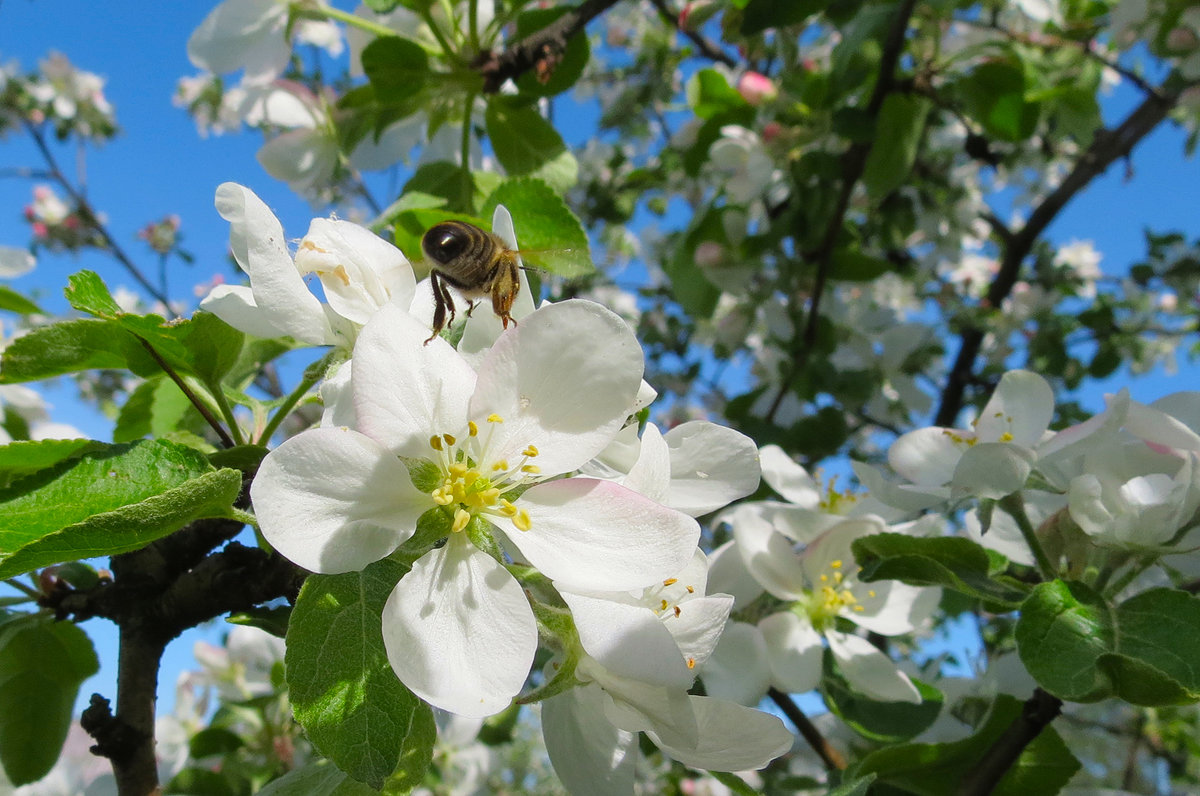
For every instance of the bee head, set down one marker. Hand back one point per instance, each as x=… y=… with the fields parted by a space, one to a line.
x=444 y=242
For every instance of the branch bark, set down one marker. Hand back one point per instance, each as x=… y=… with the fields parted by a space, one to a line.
x=1107 y=147
x=1040 y=709
x=830 y=756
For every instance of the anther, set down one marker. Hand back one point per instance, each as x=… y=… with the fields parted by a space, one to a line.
x=521 y=521
x=472 y=429
x=461 y=518
x=532 y=469
x=691 y=589
x=663 y=607
x=670 y=581
x=494 y=418
x=677 y=611
x=530 y=451
x=691 y=663
x=435 y=442
x=450 y=440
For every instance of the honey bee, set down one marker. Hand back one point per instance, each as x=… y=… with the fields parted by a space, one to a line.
x=477 y=263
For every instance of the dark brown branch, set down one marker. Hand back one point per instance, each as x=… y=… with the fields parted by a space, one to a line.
x=708 y=49
x=1039 y=710
x=854 y=162
x=831 y=757
x=1108 y=146
x=541 y=50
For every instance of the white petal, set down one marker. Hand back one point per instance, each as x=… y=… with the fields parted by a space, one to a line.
x=1159 y=427
x=738 y=668
x=304 y=158
x=727 y=574
x=337 y=395
x=1022 y=405
x=767 y=554
x=1003 y=536
x=242 y=33
x=589 y=754
x=789 y=479
x=563 y=381
x=794 y=651
x=406 y=391
x=901 y=496
x=14 y=262
x=992 y=470
x=333 y=500
x=711 y=466
x=235 y=305
x=869 y=671
x=732 y=737
x=650 y=475
x=637 y=706
x=697 y=626
x=459 y=631
x=897 y=608
x=359 y=270
x=256 y=238
x=590 y=534
x=927 y=456
x=628 y=640
x=834 y=546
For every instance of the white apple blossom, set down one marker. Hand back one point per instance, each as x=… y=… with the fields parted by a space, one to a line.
x=360 y=272
x=548 y=396
x=641 y=653
x=820 y=586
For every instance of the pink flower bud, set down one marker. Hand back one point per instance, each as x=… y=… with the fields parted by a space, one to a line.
x=709 y=254
x=1182 y=38
x=40 y=230
x=771 y=131
x=757 y=89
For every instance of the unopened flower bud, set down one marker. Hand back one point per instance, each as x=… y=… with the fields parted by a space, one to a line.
x=756 y=88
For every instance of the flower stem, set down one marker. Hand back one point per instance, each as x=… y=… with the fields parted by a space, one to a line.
x=312 y=374
x=1014 y=505
x=355 y=21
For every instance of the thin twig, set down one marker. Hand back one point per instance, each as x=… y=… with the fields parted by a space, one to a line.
x=1037 y=713
x=708 y=49
x=203 y=409
x=830 y=756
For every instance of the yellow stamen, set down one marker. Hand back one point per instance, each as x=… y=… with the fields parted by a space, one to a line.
x=533 y=469
x=669 y=581
x=521 y=521
x=450 y=440
x=677 y=611
x=472 y=429
x=663 y=607
x=500 y=465
x=1006 y=437
x=435 y=442
x=507 y=508
x=835 y=564
x=691 y=589
x=530 y=452
x=494 y=418
x=461 y=518
x=691 y=663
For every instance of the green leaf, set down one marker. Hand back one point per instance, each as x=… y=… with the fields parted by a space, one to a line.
x=70 y=347
x=898 y=131
x=397 y=68
x=87 y=292
x=1042 y=769
x=343 y=691
x=156 y=407
x=316 y=779
x=709 y=94
x=549 y=235
x=994 y=95
x=1063 y=630
x=885 y=722
x=570 y=66
x=856 y=786
x=213 y=346
x=19 y=459
x=734 y=783
x=273 y=620
x=760 y=15
x=214 y=741
x=949 y=561
x=41 y=668
x=849 y=265
x=527 y=145
x=12 y=301
x=196 y=781
x=1157 y=657
x=109 y=501
x=444 y=180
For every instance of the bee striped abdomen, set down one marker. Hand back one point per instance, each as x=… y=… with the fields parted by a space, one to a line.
x=475 y=262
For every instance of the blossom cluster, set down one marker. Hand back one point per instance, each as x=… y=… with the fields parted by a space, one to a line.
x=59 y=94
x=521 y=449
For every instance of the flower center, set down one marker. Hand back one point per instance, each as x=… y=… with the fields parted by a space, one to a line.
x=834 y=595
x=474 y=482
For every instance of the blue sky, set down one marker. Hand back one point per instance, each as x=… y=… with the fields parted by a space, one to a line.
x=159 y=165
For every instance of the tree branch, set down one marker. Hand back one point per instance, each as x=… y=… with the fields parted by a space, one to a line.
x=708 y=49
x=1108 y=146
x=830 y=756
x=541 y=50
x=854 y=162
x=1040 y=709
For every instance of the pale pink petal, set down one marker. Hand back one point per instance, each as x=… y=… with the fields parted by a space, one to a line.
x=459 y=631
x=711 y=466
x=563 y=380
x=333 y=500
x=406 y=391
x=590 y=535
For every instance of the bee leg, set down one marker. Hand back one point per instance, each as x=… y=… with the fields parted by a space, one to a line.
x=470 y=308
x=504 y=290
x=442 y=300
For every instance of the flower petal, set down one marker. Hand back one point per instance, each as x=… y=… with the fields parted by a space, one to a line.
x=359 y=270
x=333 y=500
x=563 y=380
x=927 y=456
x=589 y=534
x=242 y=34
x=260 y=248
x=738 y=669
x=15 y=262
x=697 y=627
x=235 y=305
x=406 y=391
x=789 y=479
x=589 y=754
x=992 y=470
x=767 y=553
x=869 y=671
x=459 y=631
x=650 y=475
x=732 y=737
x=711 y=466
x=794 y=652
x=727 y=574
x=628 y=640
x=1019 y=410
